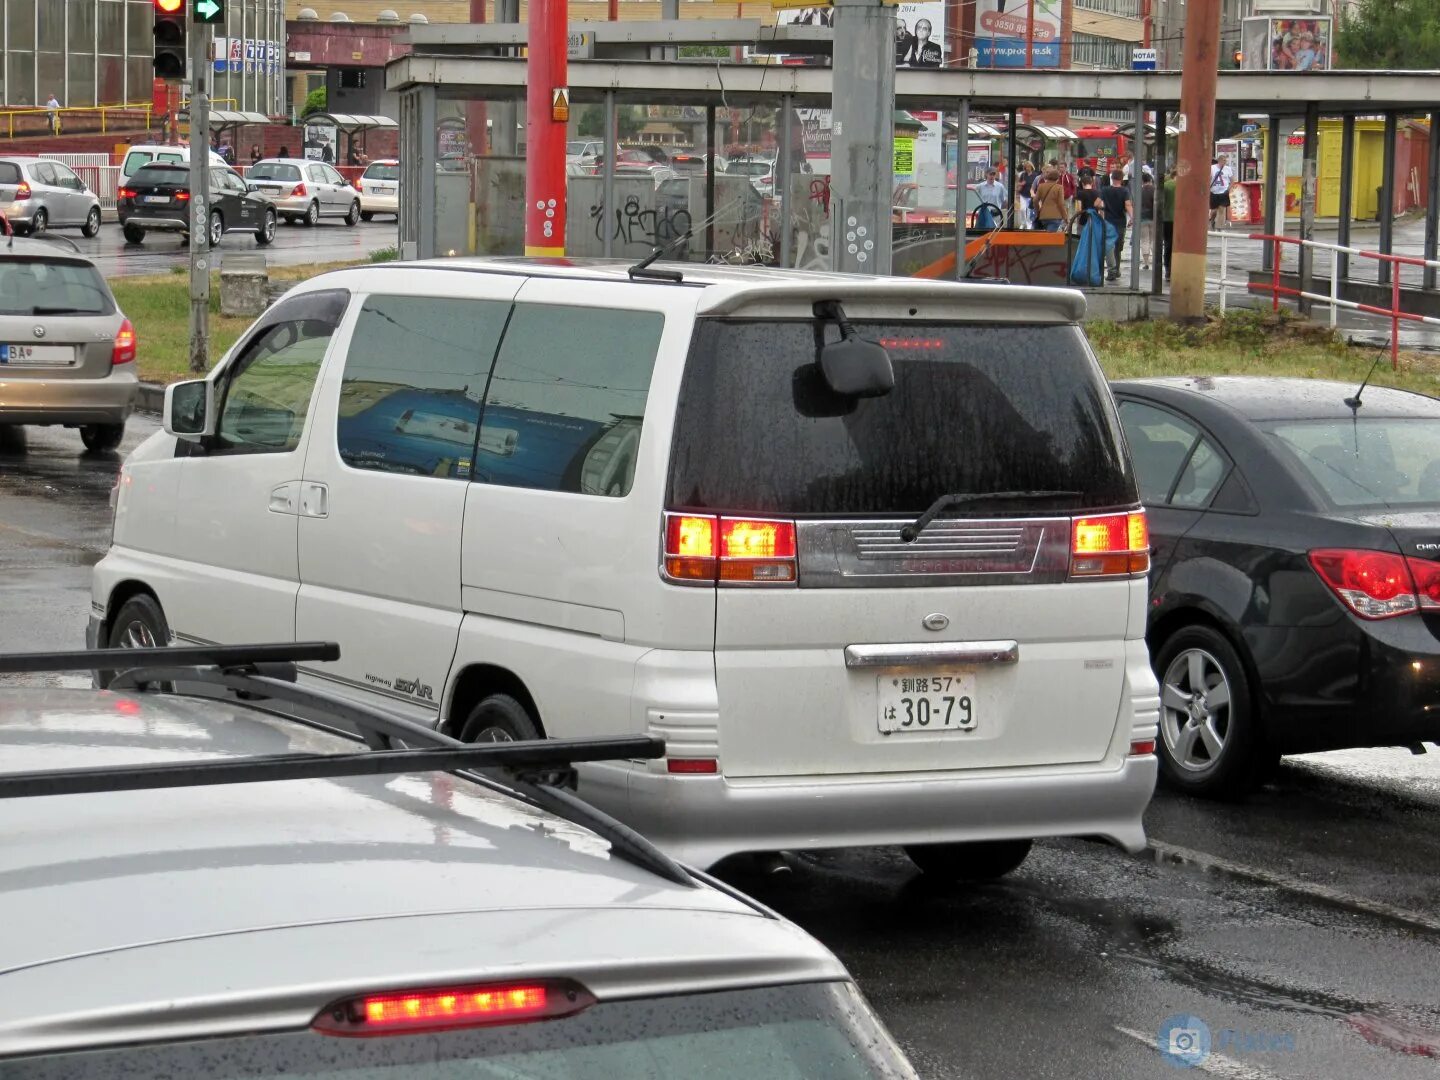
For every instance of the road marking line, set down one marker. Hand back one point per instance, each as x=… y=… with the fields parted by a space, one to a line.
x=1214 y=1064
x=1188 y=856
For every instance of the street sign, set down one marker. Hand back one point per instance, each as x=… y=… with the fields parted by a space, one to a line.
x=1142 y=59
x=581 y=44
x=208 y=11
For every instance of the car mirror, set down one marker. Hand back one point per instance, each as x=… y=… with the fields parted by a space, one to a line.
x=190 y=410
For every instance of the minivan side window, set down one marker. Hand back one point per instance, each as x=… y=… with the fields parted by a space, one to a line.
x=134 y=160
x=414 y=376
x=566 y=401
x=268 y=388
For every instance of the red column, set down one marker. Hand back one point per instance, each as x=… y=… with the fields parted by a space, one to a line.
x=546 y=73
x=1197 y=144
x=476 y=127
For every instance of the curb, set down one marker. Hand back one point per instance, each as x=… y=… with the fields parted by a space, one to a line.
x=150 y=398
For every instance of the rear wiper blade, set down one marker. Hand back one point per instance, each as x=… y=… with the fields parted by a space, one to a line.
x=61 y=311
x=910 y=533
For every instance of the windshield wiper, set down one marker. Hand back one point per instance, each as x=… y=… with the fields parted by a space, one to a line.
x=61 y=311
x=910 y=533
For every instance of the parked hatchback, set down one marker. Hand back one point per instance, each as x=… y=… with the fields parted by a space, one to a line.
x=157 y=199
x=66 y=349
x=1295 y=588
x=305 y=191
x=36 y=195
x=883 y=593
x=344 y=912
x=380 y=189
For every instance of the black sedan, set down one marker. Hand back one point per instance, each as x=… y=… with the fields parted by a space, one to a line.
x=1295 y=578
x=157 y=199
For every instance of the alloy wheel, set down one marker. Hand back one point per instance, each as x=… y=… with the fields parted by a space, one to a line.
x=137 y=636
x=1195 y=710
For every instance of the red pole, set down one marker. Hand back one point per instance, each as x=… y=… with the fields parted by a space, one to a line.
x=1275 y=280
x=1029 y=36
x=546 y=74
x=1197 y=135
x=476 y=118
x=1395 y=317
x=612 y=12
x=1145 y=20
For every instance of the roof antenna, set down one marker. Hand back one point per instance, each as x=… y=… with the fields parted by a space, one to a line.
x=642 y=268
x=1355 y=402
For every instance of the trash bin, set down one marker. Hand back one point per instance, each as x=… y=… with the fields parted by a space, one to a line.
x=1247 y=202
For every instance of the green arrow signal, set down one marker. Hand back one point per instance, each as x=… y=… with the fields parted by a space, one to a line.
x=208 y=11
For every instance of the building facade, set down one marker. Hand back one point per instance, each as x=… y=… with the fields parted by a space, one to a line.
x=100 y=52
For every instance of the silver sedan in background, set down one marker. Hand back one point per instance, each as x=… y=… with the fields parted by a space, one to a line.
x=304 y=190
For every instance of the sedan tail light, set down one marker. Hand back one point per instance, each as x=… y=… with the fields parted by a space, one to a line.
x=298 y=191
x=1378 y=584
x=123 y=351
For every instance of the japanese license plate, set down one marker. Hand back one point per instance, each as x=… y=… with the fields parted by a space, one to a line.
x=157 y=198
x=932 y=701
x=37 y=355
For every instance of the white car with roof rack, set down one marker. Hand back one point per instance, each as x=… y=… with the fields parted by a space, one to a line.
x=194 y=886
x=868 y=594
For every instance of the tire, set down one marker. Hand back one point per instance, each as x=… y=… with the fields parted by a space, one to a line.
x=312 y=216
x=134 y=234
x=140 y=623
x=91 y=228
x=982 y=860
x=352 y=218
x=99 y=438
x=290 y=219
x=499 y=718
x=1211 y=744
x=216 y=231
x=266 y=233
x=40 y=222
x=367 y=215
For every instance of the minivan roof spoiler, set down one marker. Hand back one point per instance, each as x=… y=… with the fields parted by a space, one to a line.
x=861 y=296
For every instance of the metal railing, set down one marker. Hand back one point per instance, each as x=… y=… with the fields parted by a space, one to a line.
x=1333 y=299
x=105 y=112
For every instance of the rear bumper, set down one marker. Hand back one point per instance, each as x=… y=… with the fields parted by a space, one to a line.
x=292 y=206
x=68 y=401
x=154 y=222
x=702 y=819
x=380 y=204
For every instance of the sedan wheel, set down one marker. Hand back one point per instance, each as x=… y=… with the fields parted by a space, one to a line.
x=1211 y=743
x=266 y=233
x=312 y=215
x=91 y=228
x=353 y=217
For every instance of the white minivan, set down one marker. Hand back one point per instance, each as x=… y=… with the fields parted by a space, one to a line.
x=866 y=552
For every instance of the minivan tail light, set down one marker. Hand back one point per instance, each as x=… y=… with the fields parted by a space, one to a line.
x=23 y=191
x=1111 y=545
x=123 y=350
x=732 y=551
x=440 y=1008
x=1378 y=584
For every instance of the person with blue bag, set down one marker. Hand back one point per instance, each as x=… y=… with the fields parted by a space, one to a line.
x=993 y=196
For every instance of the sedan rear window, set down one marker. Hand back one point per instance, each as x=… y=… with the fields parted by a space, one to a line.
x=776 y=1033
x=273 y=171
x=52 y=287
x=976 y=408
x=1366 y=462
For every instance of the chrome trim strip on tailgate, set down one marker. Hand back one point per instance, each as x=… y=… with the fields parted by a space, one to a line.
x=932 y=653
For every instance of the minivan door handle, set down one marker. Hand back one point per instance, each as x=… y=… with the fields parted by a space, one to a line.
x=285 y=499
x=314 y=500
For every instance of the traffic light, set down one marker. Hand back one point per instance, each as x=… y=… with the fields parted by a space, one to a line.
x=1239 y=57
x=209 y=11
x=170 y=34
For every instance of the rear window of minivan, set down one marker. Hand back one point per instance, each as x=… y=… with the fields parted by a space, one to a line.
x=976 y=408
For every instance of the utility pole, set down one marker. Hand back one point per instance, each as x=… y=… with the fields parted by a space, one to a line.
x=201 y=70
x=863 y=136
x=1198 y=80
x=547 y=113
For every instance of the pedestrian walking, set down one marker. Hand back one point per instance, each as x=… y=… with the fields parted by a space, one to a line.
x=1051 y=209
x=1221 y=177
x=52 y=114
x=1167 y=219
x=255 y=154
x=1146 y=232
x=1119 y=210
x=1024 y=183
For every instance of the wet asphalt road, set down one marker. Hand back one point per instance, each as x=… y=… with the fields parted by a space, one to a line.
x=294 y=245
x=1305 y=923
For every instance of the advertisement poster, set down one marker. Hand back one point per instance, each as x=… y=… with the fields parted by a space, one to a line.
x=237 y=55
x=920 y=34
x=1003 y=33
x=320 y=141
x=249 y=55
x=1299 y=44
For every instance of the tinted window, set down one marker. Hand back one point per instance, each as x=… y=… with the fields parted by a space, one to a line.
x=162 y=174
x=1160 y=443
x=1201 y=476
x=382 y=172
x=800 y=1032
x=273 y=171
x=9 y=173
x=1376 y=462
x=42 y=172
x=35 y=286
x=567 y=399
x=975 y=409
x=268 y=388
x=414 y=377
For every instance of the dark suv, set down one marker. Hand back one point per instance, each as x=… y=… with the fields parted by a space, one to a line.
x=157 y=199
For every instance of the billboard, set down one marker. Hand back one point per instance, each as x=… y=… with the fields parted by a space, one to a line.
x=1010 y=32
x=1286 y=44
